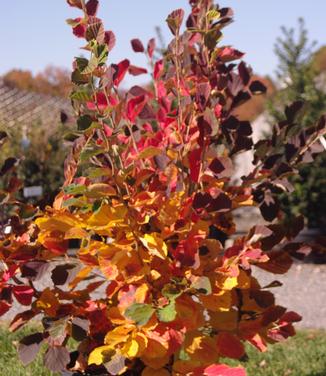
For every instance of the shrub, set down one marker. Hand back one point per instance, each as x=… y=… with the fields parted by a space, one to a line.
x=153 y=289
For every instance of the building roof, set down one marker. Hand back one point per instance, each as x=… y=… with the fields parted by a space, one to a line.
x=19 y=107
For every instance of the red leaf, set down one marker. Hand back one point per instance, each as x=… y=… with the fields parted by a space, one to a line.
x=107 y=130
x=136 y=71
x=223 y=370
x=137 y=45
x=230 y=346
x=55 y=245
x=158 y=69
x=291 y=317
x=279 y=262
x=229 y=54
x=23 y=294
x=174 y=20
x=194 y=164
x=134 y=107
x=99 y=102
x=75 y=3
x=21 y=319
x=92 y=7
x=122 y=69
x=80 y=29
x=109 y=39
x=151 y=47
x=4 y=307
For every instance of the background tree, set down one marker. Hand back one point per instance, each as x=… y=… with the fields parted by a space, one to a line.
x=300 y=76
x=52 y=81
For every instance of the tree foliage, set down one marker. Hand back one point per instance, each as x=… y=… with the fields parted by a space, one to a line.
x=52 y=81
x=153 y=289
x=300 y=75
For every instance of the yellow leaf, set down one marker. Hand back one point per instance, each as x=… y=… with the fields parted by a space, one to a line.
x=82 y=274
x=149 y=152
x=60 y=221
x=169 y=211
x=75 y=233
x=230 y=283
x=118 y=335
x=99 y=190
x=99 y=355
x=141 y=293
x=130 y=349
x=155 y=245
x=106 y=217
x=155 y=275
x=172 y=154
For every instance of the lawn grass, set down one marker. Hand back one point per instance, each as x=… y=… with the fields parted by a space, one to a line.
x=303 y=355
x=9 y=362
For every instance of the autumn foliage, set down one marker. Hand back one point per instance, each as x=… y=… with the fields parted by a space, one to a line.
x=153 y=289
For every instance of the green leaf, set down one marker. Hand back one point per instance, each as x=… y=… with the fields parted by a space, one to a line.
x=84 y=122
x=95 y=31
x=74 y=202
x=72 y=22
x=71 y=136
x=183 y=354
x=74 y=189
x=213 y=14
x=211 y=38
x=88 y=153
x=81 y=95
x=140 y=313
x=96 y=206
x=101 y=52
x=78 y=78
x=86 y=66
x=167 y=313
x=98 y=172
x=171 y=291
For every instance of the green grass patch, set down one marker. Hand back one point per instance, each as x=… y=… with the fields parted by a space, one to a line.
x=303 y=355
x=10 y=364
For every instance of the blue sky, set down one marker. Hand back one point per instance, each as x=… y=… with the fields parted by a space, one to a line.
x=33 y=33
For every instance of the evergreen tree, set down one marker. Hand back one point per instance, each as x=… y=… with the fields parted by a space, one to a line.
x=299 y=80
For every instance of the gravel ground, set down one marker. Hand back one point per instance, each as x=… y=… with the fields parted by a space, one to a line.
x=303 y=291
